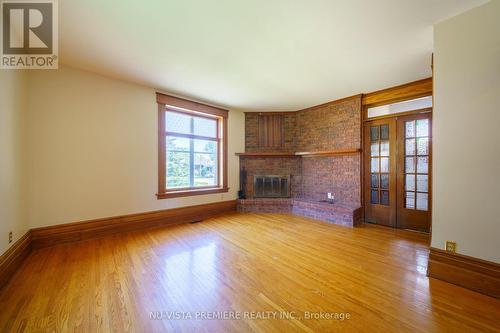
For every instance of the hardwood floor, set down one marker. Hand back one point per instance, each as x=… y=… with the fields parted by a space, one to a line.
x=238 y=263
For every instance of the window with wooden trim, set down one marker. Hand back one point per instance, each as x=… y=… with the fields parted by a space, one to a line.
x=192 y=148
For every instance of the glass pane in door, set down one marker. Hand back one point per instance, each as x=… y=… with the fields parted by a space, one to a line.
x=374 y=180
x=375 y=164
x=374 y=133
x=423 y=146
x=422 y=201
x=384 y=181
x=410 y=164
x=410 y=200
x=379 y=164
x=384 y=148
x=374 y=197
x=384 y=132
x=384 y=198
x=422 y=128
x=417 y=133
x=375 y=149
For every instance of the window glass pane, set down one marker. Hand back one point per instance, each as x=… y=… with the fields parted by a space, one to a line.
x=423 y=127
x=384 y=148
x=384 y=181
x=374 y=197
x=205 y=146
x=374 y=133
x=410 y=182
x=384 y=132
x=410 y=129
x=205 y=169
x=375 y=164
x=384 y=164
x=384 y=198
x=184 y=155
x=177 y=144
x=422 y=183
x=422 y=199
x=375 y=149
x=178 y=122
x=422 y=165
x=177 y=169
x=205 y=127
x=374 y=180
x=410 y=147
x=410 y=164
x=423 y=146
x=410 y=200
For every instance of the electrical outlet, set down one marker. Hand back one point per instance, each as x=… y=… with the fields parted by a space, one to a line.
x=451 y=246
x=10 y=237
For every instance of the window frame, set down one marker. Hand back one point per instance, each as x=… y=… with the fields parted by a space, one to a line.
x=179 y=105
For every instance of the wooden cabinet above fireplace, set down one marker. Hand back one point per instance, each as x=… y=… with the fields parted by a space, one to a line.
x=271 y=134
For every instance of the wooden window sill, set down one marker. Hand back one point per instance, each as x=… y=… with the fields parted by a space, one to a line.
x=187 y=193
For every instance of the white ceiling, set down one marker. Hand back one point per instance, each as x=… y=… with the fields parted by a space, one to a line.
x=256 y=54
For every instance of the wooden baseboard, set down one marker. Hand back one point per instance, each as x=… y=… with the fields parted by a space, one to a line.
x=63 y=233
x=13 y=258
x=471 y=273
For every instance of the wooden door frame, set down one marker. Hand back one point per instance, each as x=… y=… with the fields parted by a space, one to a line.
x=404 y=92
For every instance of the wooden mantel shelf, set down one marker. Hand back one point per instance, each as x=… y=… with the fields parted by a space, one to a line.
x=275 y=154
x=303 y=154
x=328 y=152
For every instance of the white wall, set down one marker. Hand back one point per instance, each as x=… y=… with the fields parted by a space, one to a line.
x=93 y=149
x=13 y=106
x=466 y=184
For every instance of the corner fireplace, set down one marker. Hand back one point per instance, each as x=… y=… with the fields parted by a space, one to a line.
x=271 y=186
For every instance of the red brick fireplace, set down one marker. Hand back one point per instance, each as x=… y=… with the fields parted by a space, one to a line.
x=319 y=148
